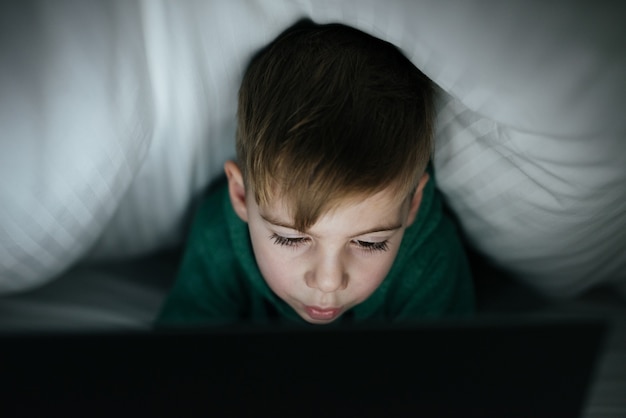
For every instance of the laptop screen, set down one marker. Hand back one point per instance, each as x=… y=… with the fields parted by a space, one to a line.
x=505 y=367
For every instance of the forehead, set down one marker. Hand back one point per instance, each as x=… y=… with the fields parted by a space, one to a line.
x=359 y=212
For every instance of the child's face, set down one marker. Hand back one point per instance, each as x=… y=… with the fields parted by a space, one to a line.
x=339 y=262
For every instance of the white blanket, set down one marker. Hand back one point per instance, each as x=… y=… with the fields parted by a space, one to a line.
x=115 y=115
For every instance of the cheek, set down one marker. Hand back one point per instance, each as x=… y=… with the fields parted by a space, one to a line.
x=274 y=267
x=370 y=272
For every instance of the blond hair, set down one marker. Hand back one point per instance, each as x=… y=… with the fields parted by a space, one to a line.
x=326 y=113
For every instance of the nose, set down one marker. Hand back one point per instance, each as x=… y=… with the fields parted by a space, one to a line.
x=328 y=275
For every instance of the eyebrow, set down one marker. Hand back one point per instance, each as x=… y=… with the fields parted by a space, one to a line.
x=381 y=228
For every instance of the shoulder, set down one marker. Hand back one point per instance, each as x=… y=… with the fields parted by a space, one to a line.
x=430 y=252
x=432 y=275
x=211 y=212
x=209 y=228
x=209 y=255
x=208 y=286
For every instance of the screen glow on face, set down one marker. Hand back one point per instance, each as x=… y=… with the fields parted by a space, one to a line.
x=336 y=264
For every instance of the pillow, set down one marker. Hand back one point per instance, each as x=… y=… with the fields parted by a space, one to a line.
x=529 y=150
x=550 y=210
x=77 y=118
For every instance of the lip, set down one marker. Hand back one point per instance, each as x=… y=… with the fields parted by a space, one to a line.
x=322 y=314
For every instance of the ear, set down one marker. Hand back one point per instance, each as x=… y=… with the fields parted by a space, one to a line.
x=417 y=199
x=236 y=189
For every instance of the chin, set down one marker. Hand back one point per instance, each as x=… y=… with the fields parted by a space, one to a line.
x=319 y=321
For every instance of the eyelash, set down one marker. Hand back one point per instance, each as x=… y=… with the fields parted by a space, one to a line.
x=296 y=242
x=374 y=246
x=287 y=242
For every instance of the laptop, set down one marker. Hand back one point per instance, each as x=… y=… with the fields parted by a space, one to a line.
x=484 y=367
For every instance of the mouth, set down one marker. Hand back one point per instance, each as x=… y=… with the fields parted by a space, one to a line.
x=322 y=314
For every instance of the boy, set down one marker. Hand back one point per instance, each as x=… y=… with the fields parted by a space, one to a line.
x=330 y=212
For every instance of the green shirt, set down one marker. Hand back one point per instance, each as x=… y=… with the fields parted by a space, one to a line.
x=219 y=280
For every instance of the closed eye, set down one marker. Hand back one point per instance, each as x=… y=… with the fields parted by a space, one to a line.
x=288 y=242
x=373 y=246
